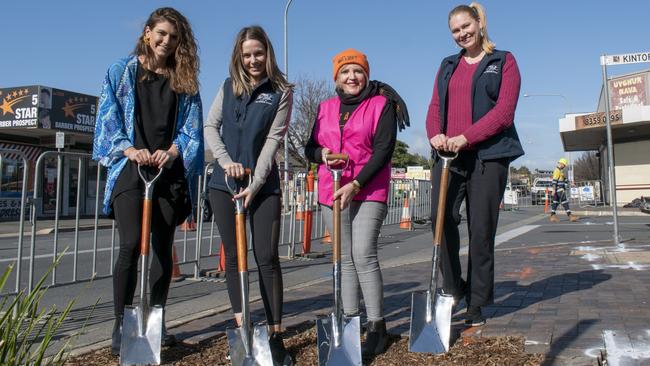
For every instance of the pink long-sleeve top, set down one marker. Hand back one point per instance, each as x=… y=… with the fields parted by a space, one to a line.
x=459 y=112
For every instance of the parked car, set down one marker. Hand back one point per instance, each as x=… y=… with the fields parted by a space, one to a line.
x=538 y=190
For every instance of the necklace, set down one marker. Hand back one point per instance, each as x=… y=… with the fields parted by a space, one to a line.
x=475 y=59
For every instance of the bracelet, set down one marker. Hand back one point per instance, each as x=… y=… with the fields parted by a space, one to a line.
x=356 y=185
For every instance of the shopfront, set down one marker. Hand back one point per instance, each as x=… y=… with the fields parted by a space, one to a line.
x=30 y=118
x=630 y=120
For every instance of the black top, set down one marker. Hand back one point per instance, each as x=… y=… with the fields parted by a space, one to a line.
x=383 y=142
x=155 y=123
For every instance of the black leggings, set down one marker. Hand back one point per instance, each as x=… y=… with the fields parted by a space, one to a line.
x=128 y=214
x=264 y=218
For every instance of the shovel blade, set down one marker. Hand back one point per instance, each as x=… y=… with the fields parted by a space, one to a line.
x=349 y=351
x=260 y=352
x=141 y=335
x=430 y=336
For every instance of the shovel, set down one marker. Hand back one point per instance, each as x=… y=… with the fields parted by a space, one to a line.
x=249 y=345
x=339 y=336
x=431 y=312
x=142 y=325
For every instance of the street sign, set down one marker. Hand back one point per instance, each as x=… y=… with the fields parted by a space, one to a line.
x=60 y=140
x=625 y=58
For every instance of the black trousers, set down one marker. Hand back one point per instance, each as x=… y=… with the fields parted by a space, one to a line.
x=560 y=198
x=127 y=207
x=481 y=184
x=264 y=219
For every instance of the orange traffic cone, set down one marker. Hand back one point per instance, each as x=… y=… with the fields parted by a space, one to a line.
x=222 y=260
x=299 y=210
x=176 y=271
x=546 y=201
x=188 y=225
x=405 y=221
x=326 y=238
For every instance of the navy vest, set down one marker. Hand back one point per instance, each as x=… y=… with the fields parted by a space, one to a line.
x=245 y=125
x=485 y=92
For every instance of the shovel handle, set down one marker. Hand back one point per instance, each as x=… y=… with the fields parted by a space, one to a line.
x=336 y=225
x=336 y=157
x=242 y=247
x=145 y=236
x=442 y=203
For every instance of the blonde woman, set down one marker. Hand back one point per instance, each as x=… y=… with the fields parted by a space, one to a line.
x=246 y=123
x=472 y=113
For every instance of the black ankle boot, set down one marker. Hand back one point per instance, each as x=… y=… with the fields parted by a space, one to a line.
x=116 y=338
x=376 y=339
x=281 y=356
x=166 y=339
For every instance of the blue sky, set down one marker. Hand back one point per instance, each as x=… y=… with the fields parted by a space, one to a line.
x=69 y=45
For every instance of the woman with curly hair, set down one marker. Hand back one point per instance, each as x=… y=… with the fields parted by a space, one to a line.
x=150 y=116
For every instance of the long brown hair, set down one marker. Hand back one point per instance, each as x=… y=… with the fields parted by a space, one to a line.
x=183 y=67
x=241 y=81
x=476 y=11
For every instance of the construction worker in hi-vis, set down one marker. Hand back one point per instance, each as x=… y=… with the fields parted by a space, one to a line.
x=560 y=185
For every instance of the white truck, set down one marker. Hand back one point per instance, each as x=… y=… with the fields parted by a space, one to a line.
x=538 y=190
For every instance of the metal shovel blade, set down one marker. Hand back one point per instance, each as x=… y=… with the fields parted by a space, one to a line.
x=141 y=335
x=430 y=332
x=349 y=351
x=260 y=352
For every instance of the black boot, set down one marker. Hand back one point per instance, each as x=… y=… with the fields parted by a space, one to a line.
x=281 y=356
x=116 y=338
x=376 y=339
x=474 y=317
x=166 y=339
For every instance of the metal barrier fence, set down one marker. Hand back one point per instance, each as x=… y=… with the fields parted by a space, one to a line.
x=582 y=194
x=411 y=195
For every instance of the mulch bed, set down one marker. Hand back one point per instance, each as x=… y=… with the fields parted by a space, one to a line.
x=301 y=343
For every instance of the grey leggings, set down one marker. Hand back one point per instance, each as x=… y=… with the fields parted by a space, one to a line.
x=360 y=225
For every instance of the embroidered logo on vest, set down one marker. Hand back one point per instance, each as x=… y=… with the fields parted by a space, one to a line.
x=264 y=98
x=492 y=69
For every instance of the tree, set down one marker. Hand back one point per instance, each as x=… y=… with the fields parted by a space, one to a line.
x=402 y=158
x=308 y=94
x=587 y=167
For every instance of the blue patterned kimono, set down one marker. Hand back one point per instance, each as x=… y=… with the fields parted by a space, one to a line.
x=114 y=127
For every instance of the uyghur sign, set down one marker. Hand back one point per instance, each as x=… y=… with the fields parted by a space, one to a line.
x=47 y=108
x=628 y=91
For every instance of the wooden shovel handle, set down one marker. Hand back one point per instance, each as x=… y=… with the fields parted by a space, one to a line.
x=442 y=202
x=242 y=247
x=336 y=157
x=146 y=227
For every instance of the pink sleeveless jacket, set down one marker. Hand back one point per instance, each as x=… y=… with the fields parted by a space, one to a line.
x=357 y=139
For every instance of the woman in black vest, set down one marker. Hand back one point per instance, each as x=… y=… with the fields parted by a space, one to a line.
x=246 y=123
x=472 y=113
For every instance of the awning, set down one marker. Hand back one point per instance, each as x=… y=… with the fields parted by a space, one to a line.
x=31 y=152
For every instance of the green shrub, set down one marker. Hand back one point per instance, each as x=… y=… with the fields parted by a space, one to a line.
x=25 y=331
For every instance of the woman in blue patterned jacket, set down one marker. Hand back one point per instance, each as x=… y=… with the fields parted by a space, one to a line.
x=150 y=115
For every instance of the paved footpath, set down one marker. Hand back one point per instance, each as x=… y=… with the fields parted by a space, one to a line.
x=564 y=287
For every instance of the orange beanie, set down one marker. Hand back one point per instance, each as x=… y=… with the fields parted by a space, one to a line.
x=350 y=56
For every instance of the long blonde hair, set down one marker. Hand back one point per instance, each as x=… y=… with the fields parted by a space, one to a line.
x=476 y=11
x=182 y=68
x=241 y=81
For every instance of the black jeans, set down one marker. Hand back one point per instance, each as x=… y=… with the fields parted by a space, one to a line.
x=127 y=207
x=481 y=184
x=264 y=219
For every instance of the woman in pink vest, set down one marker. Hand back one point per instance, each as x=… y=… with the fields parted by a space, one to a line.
x=360 y=121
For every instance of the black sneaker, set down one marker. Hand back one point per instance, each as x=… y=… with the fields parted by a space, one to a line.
x=280 y=355
x=473 y=316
